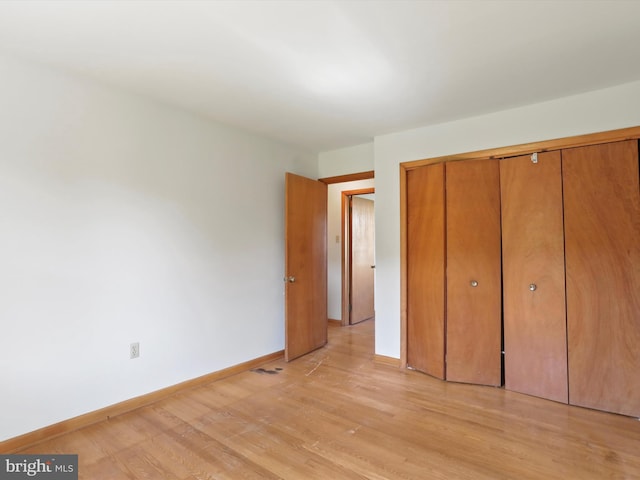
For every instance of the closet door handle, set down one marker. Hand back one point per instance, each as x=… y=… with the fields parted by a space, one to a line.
x=533 y=287
x=473 y=283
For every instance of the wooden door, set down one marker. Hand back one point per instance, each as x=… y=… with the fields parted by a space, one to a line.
x=305 y=265
x=426 y=270
x=474 y=274
x=362 y=259
x=602 y=231
x=535 y=341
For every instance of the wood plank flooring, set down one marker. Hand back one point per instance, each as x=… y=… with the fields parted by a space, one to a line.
x=335 y=414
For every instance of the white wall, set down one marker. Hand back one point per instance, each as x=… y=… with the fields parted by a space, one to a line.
x=343 y=161
x=592 y=112
x=124 y=220
x=334 y=243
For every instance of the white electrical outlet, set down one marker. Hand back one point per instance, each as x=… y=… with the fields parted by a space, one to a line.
x=134 y=350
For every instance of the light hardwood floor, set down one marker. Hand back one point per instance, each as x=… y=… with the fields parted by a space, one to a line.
x=335 y=414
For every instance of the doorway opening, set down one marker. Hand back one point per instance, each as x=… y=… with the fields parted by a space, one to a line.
x=358 y=255
x=340 y=190
x=316 y=265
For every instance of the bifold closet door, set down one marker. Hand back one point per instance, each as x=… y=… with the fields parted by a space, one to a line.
x=426 y=269
x=535 y=340
x=474 y=290
x=602 y=231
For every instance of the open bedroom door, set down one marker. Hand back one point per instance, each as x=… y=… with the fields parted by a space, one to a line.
x=305 y=265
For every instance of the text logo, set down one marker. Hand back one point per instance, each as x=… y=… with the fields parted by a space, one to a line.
x=50 y=467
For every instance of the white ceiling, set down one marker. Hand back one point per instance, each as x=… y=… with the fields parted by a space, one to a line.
x=329 y=74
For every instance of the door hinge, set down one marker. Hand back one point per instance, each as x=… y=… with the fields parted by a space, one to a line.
x=534 y=157
x=350 y=307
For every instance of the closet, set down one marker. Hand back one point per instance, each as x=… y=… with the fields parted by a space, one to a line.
x=536 y=255
x=473 y=337
x=535 y=340
x=454 y=267
x=602 y=237
x=426 y=269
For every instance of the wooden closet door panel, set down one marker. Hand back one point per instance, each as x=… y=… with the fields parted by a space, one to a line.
x=426 y=269
x=474 y=313
x=602 y=231
x=535 y=339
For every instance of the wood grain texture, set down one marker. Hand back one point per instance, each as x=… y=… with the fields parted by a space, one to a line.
x=81 y=421
x=528 y=148
x=385 y=360
x=426 y=270
x=345 y=200
x=474 y=314
x=306 y=261
x=404 y=281
x=362 y=259
x=602 y=231
x=337 y=414
x=351 y=177
x=535 y=339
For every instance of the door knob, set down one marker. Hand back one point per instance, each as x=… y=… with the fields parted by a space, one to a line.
x=291 y=279
x=533 y=287
x=474 y=283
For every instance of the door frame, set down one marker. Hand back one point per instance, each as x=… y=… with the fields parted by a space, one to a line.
x=352 y=177
x=345 y=247
x=631 y=133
